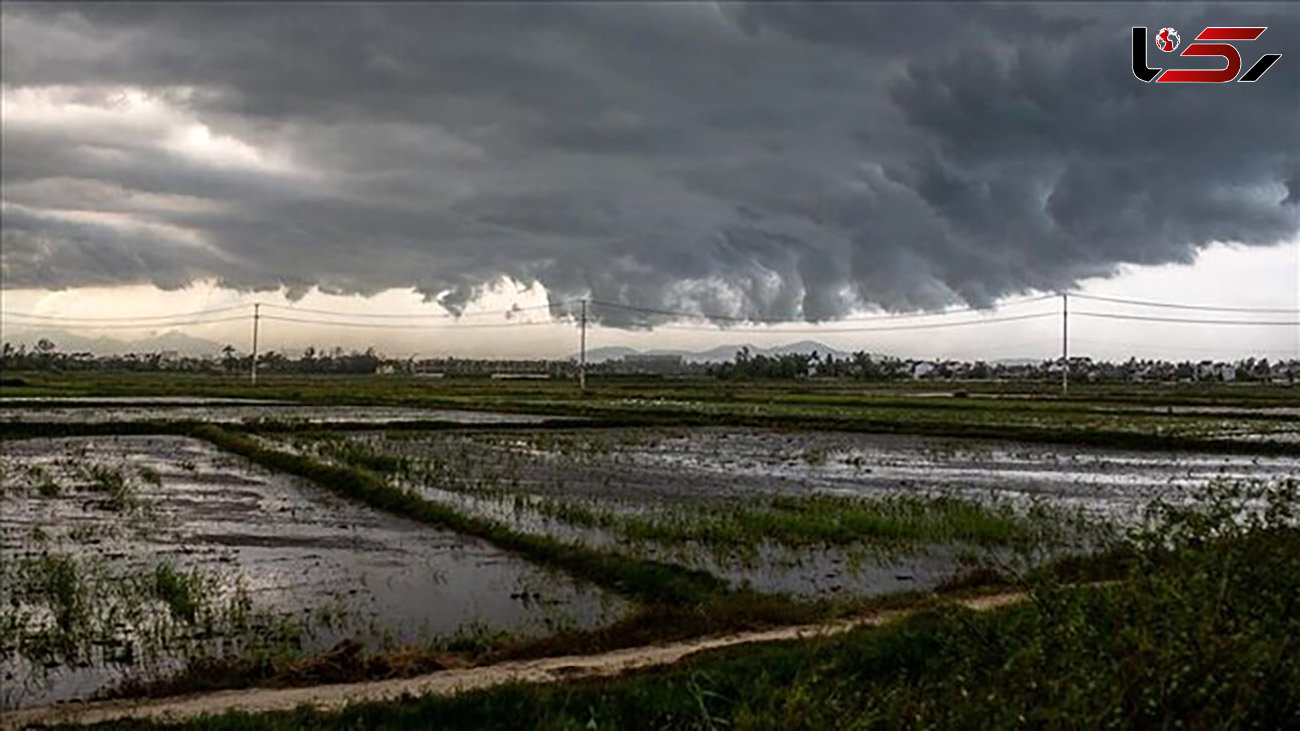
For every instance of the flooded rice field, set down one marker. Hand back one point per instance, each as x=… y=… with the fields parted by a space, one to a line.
x=725 y=464
x=236 y=411
x=689 y=495
x=123 y=558
x=121 y=555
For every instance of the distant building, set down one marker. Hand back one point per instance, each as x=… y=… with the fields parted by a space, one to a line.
x=1205 y=371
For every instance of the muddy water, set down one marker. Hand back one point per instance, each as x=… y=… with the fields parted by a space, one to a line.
x=229 y=411
x=294 y=547
x=645 y=470
x=1106 y=481
x=808 y=572
x=726 y=464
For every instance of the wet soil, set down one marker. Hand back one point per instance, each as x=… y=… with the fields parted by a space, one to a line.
x=294 y=547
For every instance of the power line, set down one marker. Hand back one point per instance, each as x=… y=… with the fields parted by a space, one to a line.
x=781 y=321
x=405 y=326
x=925 y=326
x=337 y=313
x=1112 y=316
x=407 y=316
x=129 y=318
x=145 y=326
x=359 y=319
x=1180 y=306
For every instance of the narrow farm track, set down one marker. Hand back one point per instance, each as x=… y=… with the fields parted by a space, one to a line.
x=449 y=682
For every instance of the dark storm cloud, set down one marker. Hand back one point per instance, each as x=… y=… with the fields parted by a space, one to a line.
x=776 y=160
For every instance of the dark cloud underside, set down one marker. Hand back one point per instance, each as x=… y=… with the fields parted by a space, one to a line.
x=774 y=160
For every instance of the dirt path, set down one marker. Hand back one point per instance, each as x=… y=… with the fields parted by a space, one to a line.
x=445 y=682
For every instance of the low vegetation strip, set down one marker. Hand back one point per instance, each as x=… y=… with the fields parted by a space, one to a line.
x=888 y=523
x=451 y=682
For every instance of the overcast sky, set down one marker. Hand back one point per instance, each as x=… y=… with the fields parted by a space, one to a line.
x=775 y=161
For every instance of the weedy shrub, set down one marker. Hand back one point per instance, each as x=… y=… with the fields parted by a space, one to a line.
x=150 y=475
x=184 y=593
x=114 y=484
x=59 y=580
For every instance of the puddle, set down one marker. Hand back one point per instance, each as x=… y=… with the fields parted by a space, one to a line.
x=294 y=548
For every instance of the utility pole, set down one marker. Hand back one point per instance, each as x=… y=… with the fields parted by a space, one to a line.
x=582 y=351
x=257 y=315
x=1065 y=343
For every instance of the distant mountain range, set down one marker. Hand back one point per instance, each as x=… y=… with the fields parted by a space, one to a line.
x=69 y=343
x=715 y=355
x=191 y=346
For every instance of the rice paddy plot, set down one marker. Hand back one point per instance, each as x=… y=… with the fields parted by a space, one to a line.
x=128 y=556
x=772 y=511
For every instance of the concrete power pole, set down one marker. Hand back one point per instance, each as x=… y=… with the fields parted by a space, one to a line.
x=1065 y=343
x=582 y=351
x=257 y=315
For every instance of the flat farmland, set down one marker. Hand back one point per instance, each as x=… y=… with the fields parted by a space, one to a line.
x=163 y=536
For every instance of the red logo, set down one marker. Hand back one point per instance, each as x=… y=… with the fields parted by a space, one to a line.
x=1167 y=40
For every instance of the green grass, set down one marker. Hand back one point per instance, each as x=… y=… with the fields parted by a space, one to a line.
x=797 y=522
x=58 y=578
x=184 y=593
x=1201 y=632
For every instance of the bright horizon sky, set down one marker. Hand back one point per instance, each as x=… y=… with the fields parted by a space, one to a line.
x=1222 y=275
